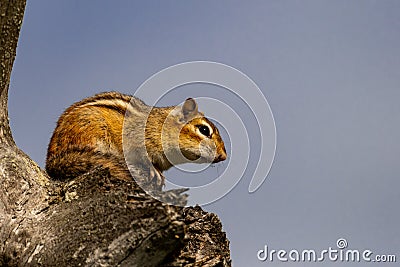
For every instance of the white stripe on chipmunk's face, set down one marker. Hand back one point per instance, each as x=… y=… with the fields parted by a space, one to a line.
x=204 y=130
x=197 y=140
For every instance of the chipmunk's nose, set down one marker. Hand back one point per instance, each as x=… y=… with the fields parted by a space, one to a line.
x=221 y=157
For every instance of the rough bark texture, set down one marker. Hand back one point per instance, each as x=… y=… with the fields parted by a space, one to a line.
x=96 y=219
x=11 y=14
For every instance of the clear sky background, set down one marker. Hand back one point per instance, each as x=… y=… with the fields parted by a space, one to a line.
x=329 y=69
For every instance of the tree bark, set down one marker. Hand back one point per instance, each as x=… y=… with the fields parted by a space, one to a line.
x=11 y=14
x=95 y=219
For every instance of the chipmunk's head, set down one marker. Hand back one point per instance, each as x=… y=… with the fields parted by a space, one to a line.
x=199 y=139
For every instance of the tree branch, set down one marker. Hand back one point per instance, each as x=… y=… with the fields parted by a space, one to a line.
x=11 y=15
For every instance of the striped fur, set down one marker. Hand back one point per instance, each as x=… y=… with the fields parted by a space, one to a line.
x=103 y=129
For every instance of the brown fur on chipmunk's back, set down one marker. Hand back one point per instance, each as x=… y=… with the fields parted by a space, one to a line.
x=90 y=134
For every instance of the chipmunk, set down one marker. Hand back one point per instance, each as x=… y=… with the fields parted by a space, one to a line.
x=115 y=130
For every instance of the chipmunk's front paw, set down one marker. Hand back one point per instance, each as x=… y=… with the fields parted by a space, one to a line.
x=156 y=178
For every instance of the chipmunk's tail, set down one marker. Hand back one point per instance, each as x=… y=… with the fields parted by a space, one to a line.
x=75 y=162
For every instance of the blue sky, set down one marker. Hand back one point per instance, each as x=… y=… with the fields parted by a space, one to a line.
x=330 y=72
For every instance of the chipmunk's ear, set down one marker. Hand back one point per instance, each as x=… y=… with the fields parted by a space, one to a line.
x=189 y=109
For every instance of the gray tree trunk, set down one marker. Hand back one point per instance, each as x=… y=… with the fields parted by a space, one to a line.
x=96 y=219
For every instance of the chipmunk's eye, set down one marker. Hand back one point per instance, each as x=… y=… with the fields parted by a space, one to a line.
x=204 y=130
